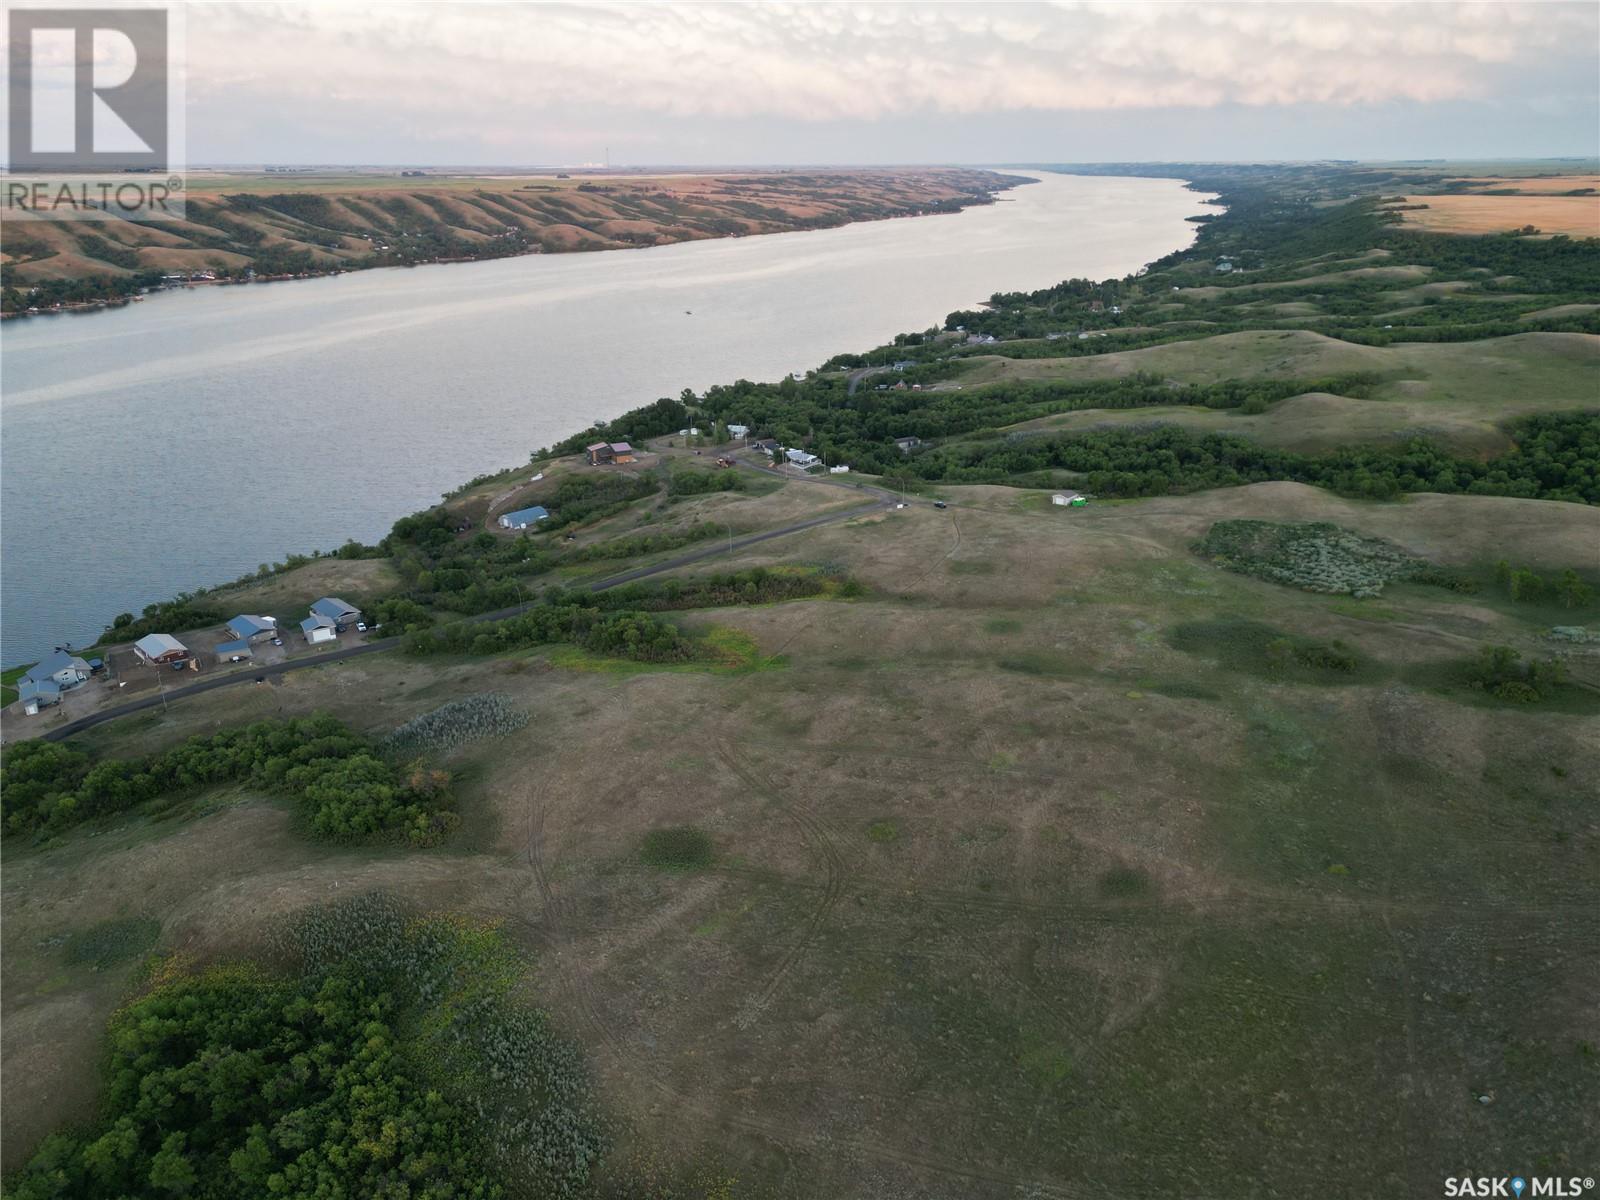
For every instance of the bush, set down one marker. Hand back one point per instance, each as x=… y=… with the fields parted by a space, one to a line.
x=1315 y=557
x=392 y=1061
x=487 y=714
x=342 y=789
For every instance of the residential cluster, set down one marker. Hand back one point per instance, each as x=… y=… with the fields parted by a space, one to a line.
x=43 y=685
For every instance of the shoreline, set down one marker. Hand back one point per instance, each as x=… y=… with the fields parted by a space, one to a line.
x=1015 y=181
x=979 y=188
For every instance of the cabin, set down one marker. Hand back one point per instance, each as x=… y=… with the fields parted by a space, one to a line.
x=235 y=651
x=336 y=610
x=319 y=629
x=160 y=650
x=523 y=517
x=621 y=453
x=249 y=629
x=799 y=458
x=907 y=444
x=1069 y=499
x=599 y=454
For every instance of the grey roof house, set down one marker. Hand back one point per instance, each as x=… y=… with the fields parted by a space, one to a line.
x=336 y=610
x=43 y=683
x=249 y=629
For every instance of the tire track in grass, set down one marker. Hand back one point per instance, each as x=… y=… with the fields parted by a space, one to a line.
x=555 y=932
x=820 y=840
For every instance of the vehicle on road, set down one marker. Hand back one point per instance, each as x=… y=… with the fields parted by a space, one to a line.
x=940 y=504
x=361 y=626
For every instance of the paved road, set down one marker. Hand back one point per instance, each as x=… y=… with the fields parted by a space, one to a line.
x=383 y=644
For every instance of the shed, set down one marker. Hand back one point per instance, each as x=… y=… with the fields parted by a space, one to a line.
x=37 y=693
x=319 y=628
x=738 y=431
x=621 y=452
x=336 y=610
x=907 y=444
x=1069 y=499
x=599 y=453
x=229 y=651
x=252 y=629
x=523 y=517
x=158 y=649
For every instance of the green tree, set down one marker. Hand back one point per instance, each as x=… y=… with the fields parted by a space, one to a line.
x=1574 y=592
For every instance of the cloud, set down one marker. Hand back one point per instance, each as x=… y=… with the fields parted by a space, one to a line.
x=492 y=67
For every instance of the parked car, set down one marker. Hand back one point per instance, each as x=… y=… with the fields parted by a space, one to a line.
x=940 y=504
x=361 y=626
x=277 y=641
x=236 y=658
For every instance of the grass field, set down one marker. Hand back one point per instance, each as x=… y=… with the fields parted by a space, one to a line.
x=1002 y=884
x=1461 y=395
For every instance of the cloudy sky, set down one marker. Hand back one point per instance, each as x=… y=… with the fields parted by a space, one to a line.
x=523 y=84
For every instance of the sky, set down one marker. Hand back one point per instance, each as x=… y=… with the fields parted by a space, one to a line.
x=340 y=81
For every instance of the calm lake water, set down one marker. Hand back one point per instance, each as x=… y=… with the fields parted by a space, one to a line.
x=180 y=442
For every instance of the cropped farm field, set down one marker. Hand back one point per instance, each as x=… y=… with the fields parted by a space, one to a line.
x=1574 y=216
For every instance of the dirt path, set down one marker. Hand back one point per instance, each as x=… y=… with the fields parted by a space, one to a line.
x=392 y=643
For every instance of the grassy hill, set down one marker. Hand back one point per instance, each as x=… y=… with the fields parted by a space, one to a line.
x=1233 y=834
x=277 y=225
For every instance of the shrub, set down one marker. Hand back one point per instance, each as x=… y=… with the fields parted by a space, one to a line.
x=392 y=1061
x=1315 y=557
x=487 y=714
x=342 y=789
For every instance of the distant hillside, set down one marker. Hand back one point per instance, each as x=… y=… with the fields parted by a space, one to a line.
x=267 y=226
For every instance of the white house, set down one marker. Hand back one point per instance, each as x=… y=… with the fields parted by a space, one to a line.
x=319 y=628
x=801 y=459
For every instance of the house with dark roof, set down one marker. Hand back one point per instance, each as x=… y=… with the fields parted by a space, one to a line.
x=236 y=651
x=42 y=684
x=524 y=517
x=335 y=610
x=252 y=629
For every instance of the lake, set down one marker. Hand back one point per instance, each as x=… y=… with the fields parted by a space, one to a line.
x=181 y=442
